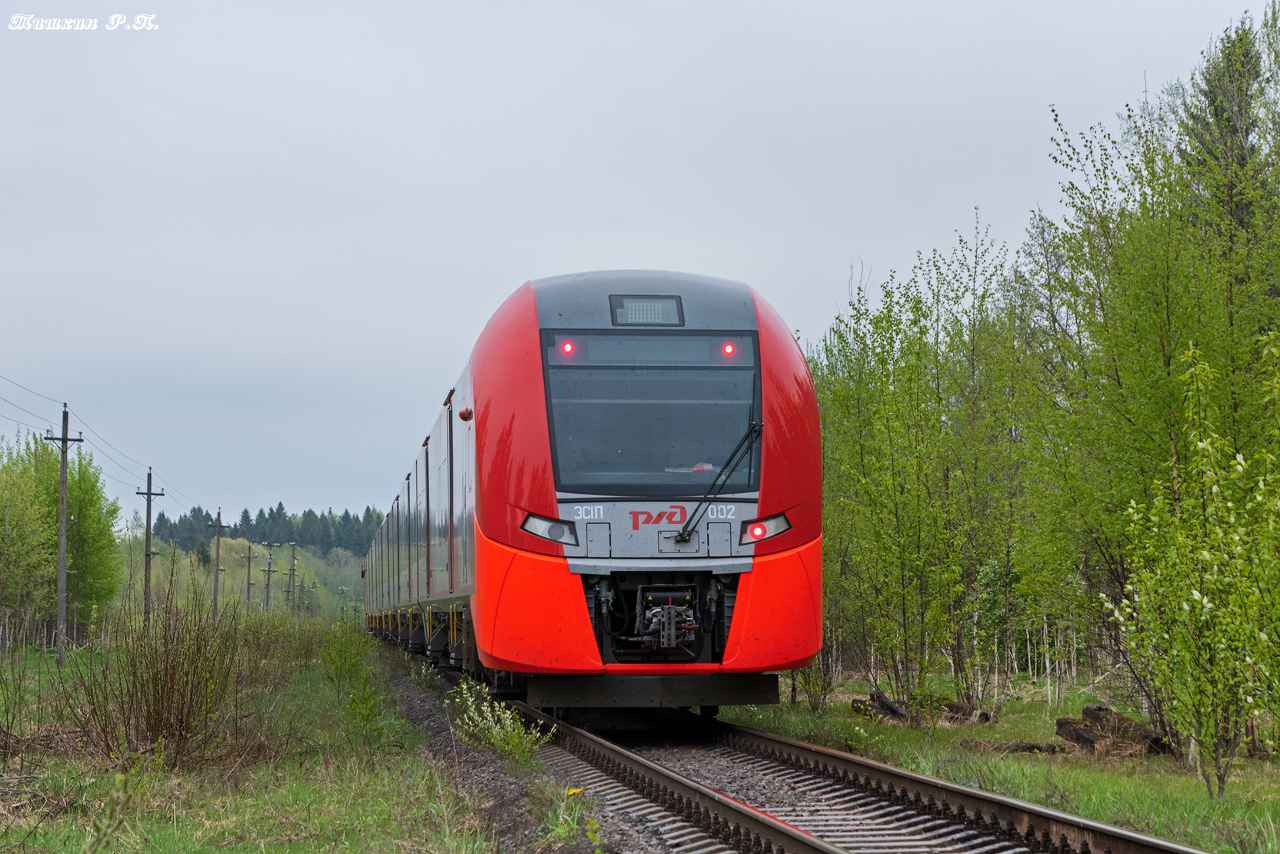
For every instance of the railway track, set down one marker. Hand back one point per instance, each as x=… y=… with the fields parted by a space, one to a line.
x=839 y=803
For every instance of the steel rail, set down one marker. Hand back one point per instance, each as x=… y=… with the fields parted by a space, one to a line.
x=735 y=824
x=1036 y=828
x=1001 y=819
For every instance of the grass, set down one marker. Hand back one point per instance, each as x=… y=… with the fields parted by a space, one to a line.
x=1150 y=794
x=319 y=770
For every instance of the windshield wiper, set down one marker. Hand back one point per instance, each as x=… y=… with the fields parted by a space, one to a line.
x=740 y=452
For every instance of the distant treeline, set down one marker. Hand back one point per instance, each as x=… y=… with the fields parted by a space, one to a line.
x=318 y=531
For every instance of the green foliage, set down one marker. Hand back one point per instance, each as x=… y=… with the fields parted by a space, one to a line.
x=365 y=705
x=1203 y=599
x=480 y=721
x=346 y=654
x=988 y=424
x=28 y=559
x=817 y=681
x=29 y=495
x=921 y=459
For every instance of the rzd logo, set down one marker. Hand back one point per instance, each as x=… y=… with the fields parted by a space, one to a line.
x=675 y=516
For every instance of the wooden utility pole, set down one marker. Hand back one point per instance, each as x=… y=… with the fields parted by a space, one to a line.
x=248 y=578
x=217 y=560
x=146 y=563
x=266 y=605
x=293 y=568
x=64 y=441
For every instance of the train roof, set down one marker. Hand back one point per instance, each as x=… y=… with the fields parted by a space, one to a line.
x=589 y=300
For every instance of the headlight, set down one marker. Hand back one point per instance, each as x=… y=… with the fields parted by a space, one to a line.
x=763 y=529
x=554 y=530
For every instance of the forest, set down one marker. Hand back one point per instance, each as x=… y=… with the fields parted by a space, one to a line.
x=319 y=532
x=1066 y=457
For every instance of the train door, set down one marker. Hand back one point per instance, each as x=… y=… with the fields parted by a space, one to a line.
x=441 y=472
x=421 y=509
x=464 y=500
x=405 y=530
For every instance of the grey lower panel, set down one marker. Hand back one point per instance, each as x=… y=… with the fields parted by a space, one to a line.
x=718 y=566
x=713 y=689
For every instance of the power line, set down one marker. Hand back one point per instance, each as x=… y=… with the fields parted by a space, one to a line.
x=101 y=438
x=120 y=465
x=20 y=423
x=104 y=441
x=29 y=391
x=175 y=491
x=28 y=411
x=119 y=481
x=172 y=488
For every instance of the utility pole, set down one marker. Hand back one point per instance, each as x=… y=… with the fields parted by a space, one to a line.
x=146 y=563
x=248 y=578
x=293 y=568
x=267 y=603
x=311 y=600
x=64 y=441
x=342 y=609
x=217 y=561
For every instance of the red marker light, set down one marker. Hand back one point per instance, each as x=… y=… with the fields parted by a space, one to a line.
x=566 y=347
x=758 y=532
x=729 y=349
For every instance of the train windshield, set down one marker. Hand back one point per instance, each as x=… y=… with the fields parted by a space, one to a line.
x=650 y=414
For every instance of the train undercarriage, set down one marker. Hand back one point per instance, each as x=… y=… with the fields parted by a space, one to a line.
x=648 y=626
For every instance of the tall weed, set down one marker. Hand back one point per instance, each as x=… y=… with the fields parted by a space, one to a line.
x=560 y=812
x=478 y=720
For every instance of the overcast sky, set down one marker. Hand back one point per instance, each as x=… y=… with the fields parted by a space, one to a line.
x=252 y=247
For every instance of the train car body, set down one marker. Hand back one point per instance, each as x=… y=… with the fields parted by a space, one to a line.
x=619 y=503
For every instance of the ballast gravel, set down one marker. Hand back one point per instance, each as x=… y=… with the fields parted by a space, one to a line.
x=507 y=814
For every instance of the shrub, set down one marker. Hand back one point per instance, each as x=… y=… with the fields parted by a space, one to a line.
x=164 y=690
x=478 y=720
x=345 y=654
x=365 y=707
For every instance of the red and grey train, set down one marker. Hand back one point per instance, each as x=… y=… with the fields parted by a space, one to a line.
x=620 y=503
